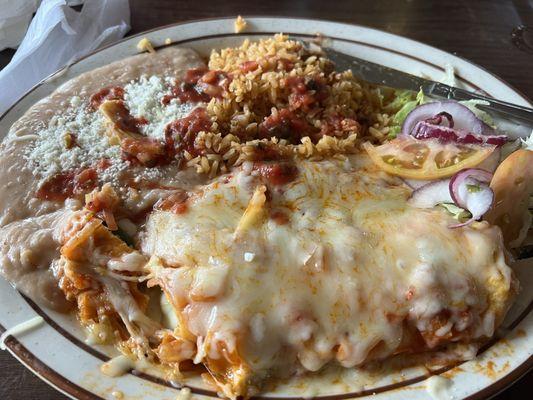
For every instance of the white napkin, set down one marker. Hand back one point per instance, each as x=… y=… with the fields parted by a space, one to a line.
x=57 y=36
x=15 y=16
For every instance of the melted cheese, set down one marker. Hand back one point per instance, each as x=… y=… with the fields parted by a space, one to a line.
x=439 y=387
x=117 y=366
x=349 y=277
x=20 y=328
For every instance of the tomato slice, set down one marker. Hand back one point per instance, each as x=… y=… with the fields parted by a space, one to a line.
x=426 y=159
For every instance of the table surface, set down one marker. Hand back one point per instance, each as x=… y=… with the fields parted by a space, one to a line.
x=481 y=31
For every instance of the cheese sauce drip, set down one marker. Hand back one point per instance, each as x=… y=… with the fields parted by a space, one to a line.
x=19 y=329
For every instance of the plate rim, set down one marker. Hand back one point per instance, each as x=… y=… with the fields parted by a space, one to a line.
x=44 y=372
x=263 y=16
x=53 y=378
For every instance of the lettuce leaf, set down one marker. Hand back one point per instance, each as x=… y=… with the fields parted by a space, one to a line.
x=394 y=131
x=458 y=213
x=400 y=116
x=420 y=97
x=400 y=98
x=482 y=115
x=404 y=103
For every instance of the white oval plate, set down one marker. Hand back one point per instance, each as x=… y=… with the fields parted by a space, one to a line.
x=56 y=351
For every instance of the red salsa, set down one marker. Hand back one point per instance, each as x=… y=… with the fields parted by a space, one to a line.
x=285 y=64
x=125 y=121
x=103 y=164
x=277 y=174
x=199 y=85
x=266 y=152
x=145 y=151
x=284 y=125
x=337 y=124
x=68 y=184
x=108 y=93
x=180 y=134
x=306 y=93
x=279 y=217
x=248 y=66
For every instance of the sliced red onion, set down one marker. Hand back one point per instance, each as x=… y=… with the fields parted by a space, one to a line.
x=431 y=194
x=463 y=118
x=437 y=119
x=426 y=130
x=487 y=130
x=470 y=190
x=462 y=223
x=416 y=183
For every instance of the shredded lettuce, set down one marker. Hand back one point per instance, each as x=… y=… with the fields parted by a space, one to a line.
x=473 y=188
x=394 y=131
x=449 y=79
x=420 y=97
x=400 y=116
x=528 y=142
x=458 y=213
x=400 y=98
x=404 y=103
x=482 y=115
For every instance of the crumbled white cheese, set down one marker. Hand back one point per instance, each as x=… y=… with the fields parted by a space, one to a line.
x=249 y=257
x=75 y=101
x=142 y=95
x=143 y=98
x=113 y=173
x=166 y=114
x=49 y=155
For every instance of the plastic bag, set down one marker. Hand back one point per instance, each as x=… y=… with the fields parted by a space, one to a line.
x=57 y=36
x=14 y=20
